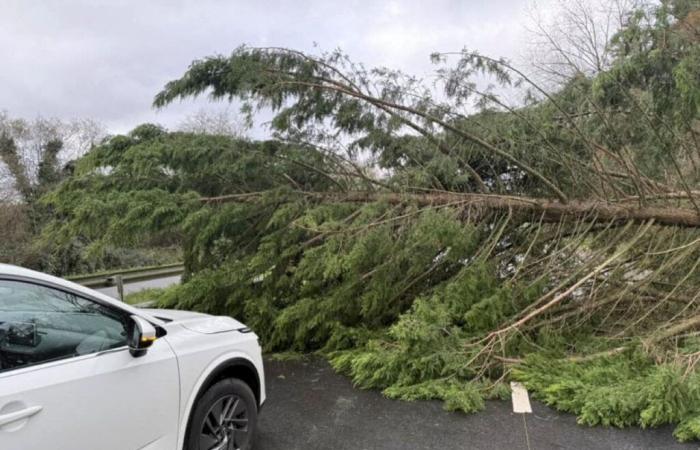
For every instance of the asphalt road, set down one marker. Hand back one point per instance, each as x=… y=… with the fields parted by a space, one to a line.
x=311 y=407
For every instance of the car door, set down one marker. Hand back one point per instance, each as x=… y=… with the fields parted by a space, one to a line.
x=68 y=380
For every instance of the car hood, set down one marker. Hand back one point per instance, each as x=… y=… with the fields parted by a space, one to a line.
x=199 y=322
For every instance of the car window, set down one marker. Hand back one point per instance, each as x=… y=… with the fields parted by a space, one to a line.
x=39 y=324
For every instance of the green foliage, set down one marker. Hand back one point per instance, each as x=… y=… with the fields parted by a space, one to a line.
x=617 y=391
x=324 y=295
x=10 y=156
x=425 y=353
x=463 y=397
x=145 y=189
x=688 y=429
x=49 y=172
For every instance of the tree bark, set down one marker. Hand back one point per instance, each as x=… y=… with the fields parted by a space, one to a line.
x=549 y=210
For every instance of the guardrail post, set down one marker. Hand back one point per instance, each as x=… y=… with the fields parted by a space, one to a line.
x=119 y=281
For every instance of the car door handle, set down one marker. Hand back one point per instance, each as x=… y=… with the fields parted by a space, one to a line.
x=9 y=418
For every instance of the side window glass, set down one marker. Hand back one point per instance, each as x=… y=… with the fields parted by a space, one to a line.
x=39 y=324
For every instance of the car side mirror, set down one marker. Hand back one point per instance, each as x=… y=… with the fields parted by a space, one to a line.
x=141 y=336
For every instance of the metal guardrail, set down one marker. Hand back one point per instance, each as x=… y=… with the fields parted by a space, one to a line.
x=115 y=278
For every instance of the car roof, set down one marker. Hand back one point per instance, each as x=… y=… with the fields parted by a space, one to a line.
x=8 y=269
x=16 y=271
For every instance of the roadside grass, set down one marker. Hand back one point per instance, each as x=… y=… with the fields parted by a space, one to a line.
x=153 y=295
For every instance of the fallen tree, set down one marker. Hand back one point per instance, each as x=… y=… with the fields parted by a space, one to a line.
x=429 y=250
x=547 y=210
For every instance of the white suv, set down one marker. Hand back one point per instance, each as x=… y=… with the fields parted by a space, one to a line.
x=82 y=371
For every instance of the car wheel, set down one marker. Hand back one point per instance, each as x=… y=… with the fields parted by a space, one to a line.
x=224 y=418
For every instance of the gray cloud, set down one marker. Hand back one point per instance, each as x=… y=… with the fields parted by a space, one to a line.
x=106 y=59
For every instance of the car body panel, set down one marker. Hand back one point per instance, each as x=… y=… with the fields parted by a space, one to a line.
x=201 y=323
x=110 y=401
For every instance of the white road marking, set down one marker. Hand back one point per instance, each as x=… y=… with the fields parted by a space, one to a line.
x=521 y=401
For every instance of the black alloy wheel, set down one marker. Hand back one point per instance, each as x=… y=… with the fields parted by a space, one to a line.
x=225 y=418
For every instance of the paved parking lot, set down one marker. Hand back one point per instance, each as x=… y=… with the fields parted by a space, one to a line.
x=310 y=407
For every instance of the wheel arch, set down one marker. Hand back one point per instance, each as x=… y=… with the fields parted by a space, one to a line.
x=238 y=367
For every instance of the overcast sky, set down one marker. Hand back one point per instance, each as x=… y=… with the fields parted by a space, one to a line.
x=106 y=59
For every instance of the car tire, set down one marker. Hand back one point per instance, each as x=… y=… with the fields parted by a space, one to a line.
x=226 y=413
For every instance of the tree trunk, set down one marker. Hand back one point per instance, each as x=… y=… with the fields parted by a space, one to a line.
x=549 y=210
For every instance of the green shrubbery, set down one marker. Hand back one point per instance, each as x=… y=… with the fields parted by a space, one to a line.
x=622 y=390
